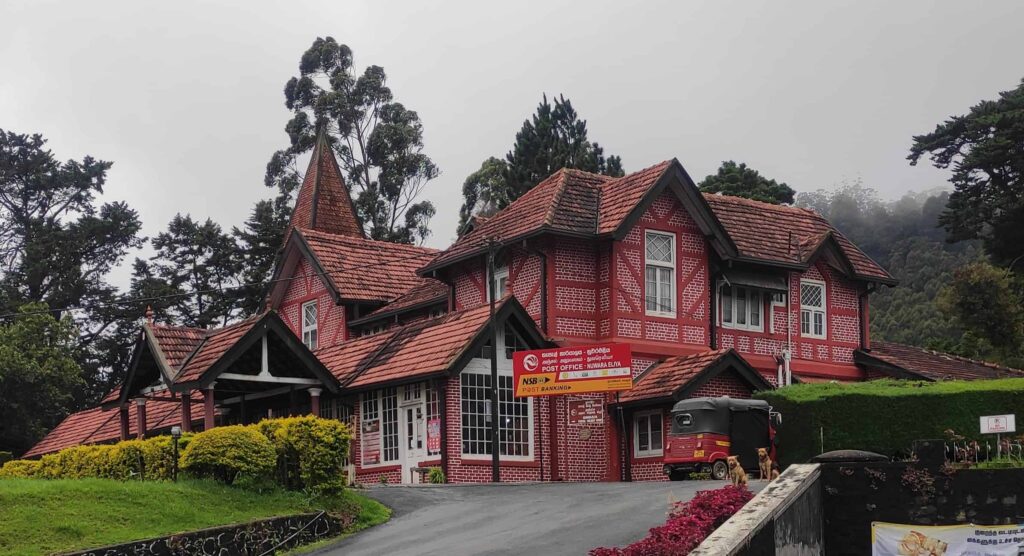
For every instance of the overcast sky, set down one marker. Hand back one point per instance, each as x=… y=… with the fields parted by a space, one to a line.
x=186 y=97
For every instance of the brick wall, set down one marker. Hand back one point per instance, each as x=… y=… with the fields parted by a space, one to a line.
x=307 y=286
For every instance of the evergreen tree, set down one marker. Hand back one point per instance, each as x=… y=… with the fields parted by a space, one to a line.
x=985 y=149
x=379 y=142
x=741 y=181
x=38 y=374
x=260 y=241
x=198 y=264
x=554 y=138
x=984 y=300
x=58 y=244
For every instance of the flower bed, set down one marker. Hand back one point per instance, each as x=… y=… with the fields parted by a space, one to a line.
x=688 y=524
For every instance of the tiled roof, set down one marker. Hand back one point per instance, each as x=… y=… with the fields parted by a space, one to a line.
x=566 y=202
x=414 y=350
x=933 y=365
x=213 y=346
x=176 y=342
x=428 y=292
x=778 y=233
x=357 y=267
x=663 y=379
x=98 y=425
x=323 y=202
x=580 y=203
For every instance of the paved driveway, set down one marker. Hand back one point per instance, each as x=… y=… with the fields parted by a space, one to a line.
x=549 y=519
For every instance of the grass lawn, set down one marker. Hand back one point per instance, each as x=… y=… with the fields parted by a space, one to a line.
x=44 y=516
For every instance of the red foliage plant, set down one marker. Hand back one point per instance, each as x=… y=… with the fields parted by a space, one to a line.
x=688 y=524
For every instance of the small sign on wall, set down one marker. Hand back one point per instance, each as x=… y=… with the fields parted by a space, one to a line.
x=998 y=424
x=586 y=412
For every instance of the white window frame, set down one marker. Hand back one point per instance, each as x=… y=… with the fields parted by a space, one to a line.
x=750 y=292
x=482 y=367
x=501 y=282
x=372 y=407
x=811 y=310
x=670 y=266
x=310 y=333
x=649 y=452
x=771 y=308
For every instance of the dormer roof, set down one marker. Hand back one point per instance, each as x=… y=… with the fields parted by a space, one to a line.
x=324 y=202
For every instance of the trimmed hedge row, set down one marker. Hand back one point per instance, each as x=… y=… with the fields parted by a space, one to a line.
x=884 y=416
x=307 y=453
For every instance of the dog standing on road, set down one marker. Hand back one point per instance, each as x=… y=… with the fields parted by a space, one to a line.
x=736 y=472
x=764 y=465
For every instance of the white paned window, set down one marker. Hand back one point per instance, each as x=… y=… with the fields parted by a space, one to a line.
x=515 y=415
x=812 y=309
x=333 y=409
x=309 y=324
x=647 y=434
x=659 y=273
x=433 y=415
x=742 y=308
x=500 y=282
x=389 y=423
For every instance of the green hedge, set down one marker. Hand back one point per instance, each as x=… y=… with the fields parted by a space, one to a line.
x=885 y=416
x=309 y=453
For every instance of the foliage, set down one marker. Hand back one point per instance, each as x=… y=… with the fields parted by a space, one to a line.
x=38 y=374
x=554 y=138
x=379 y=142
x=260 y=240
x=224 y=453
x=58 y=244
x=985 y=149
x=318 y=446
x=847 y=415
x=741 y=181
x=45 y=517
x=436 y=476
x=20 y=468
x=150 y=459
x=199 y=264
x=688 y=524
x=983 y=300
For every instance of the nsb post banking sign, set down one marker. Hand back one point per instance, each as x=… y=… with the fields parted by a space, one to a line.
x=572 y=370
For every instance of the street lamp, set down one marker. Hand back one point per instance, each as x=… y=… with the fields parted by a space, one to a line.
x=175 y=435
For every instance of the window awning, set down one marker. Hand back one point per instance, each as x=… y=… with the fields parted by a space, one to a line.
x=762 y=280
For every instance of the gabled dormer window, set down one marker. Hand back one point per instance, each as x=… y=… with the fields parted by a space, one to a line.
x=812 y=309
x=659 y=273
x=309 y=324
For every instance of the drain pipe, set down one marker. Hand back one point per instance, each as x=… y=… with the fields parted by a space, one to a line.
x=787 y=354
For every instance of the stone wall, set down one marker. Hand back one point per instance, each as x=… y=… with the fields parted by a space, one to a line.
x=255 y=537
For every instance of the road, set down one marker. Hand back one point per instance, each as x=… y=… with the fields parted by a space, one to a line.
x=548 y=519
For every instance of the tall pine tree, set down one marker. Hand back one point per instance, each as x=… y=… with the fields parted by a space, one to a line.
x=553 y=138
x=742 y=181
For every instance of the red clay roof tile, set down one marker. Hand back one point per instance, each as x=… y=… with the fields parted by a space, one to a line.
x=663 y=379
x=217 y=342
x=428 y=292
x=324 y=202
x=935 y=365
x=356 y=266
x=177 y=342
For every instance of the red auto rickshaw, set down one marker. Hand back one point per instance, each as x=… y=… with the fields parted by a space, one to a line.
x=707 y=430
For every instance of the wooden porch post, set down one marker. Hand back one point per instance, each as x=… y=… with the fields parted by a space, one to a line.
x=125 y=428
x=208 y=408
x=314 y=401
x=140 y=416
x=186 y=411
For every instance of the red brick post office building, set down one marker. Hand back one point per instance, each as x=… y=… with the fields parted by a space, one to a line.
x=716 y=295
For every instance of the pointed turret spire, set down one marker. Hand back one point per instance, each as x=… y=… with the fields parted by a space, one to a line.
x=324 y=202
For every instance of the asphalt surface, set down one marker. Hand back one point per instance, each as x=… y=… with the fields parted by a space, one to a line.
x=548 y=519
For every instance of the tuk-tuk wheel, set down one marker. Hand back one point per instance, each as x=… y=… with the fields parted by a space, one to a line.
x=719 y=470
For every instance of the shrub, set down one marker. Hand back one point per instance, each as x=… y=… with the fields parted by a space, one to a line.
x=158 y=456
x=224 y=453
x=311 y=451
x=436 y=476
x=20 y=469
x=847 y=415
x=688 y=524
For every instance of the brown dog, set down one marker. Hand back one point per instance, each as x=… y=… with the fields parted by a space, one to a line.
x=736 y=472
x=764 y=464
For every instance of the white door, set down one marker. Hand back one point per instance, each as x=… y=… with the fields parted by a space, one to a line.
x=412 y=410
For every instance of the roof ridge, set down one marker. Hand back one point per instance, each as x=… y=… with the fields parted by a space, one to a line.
x=370 y=242
x=556 y=198
x=953 y=356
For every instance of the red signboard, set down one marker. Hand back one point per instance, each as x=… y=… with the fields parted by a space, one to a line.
x=434 y=436
x=572 y=370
